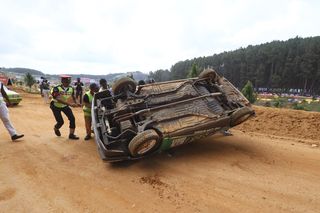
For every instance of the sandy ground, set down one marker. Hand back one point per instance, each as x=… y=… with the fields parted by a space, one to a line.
x=270 y=164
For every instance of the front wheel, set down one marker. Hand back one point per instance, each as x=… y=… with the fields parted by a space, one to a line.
x=144 y=143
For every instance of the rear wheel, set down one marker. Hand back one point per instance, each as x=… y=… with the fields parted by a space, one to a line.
x=123 y=85
x=240 y=116
x=144 y=143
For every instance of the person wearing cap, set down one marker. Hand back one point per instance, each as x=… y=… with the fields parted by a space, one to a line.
x=61 y=95
x=4 y=114
x=87 y=101
x=79 y=90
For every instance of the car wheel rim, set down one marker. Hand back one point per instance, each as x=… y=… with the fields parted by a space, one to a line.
x=145 y=147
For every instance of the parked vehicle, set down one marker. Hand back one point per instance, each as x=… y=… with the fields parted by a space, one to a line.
x=141 y=120
x=13 y=96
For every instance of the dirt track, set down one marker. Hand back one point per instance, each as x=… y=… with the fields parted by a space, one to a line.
x=251 y=171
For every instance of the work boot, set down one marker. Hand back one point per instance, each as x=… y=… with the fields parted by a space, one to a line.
x=16 y=137
x=73 y=137
x=88 y=137
x=57 y=132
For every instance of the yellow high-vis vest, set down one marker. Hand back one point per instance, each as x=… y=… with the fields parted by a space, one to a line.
x=64 y=94
x=87 y=110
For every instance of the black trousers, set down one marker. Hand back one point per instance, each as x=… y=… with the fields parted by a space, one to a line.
x=58 y=116
x=79 y=95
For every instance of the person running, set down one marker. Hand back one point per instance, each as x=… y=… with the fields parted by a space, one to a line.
x=4 y=115
x=79 y=86
x=87 y=101
x=61 y=95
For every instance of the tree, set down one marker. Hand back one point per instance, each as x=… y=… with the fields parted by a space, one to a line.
x=248 y=92
x=29 y=80
x=286 y=65
x=160 y=75
x=193 y=72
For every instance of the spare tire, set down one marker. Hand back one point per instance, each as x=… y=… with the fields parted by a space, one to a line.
x=209 y=73
x=240 y=116
x=144 y=143
x=124 y=84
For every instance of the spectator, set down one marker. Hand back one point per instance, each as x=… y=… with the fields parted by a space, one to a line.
x=103 y=85
x=40 y=85
x=79 y=90
x=45 y=90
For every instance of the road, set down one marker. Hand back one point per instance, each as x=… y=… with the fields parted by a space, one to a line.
x=258 y=169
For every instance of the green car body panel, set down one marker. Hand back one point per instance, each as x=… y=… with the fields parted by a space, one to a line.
x=14 y=97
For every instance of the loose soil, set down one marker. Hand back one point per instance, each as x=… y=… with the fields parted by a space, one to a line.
x=270 y=164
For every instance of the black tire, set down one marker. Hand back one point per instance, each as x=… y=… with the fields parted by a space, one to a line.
x=209 y=73
x=123 y=85
x=240 y=116
x=144 y=143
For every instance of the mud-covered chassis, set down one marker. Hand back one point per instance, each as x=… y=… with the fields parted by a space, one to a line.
x=153 y=117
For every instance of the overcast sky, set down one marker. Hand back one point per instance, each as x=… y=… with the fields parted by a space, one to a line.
x=101 y=36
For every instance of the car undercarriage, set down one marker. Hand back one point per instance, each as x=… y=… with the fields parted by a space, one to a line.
x=140 y=120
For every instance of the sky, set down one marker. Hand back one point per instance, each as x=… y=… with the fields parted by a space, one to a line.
x=112 y=36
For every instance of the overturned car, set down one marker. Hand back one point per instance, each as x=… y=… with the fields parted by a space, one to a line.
x=140 y=120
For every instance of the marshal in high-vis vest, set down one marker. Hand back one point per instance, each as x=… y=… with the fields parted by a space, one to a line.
x=63 y=98
x=87 y=102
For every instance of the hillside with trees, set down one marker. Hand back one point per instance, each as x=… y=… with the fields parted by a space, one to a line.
x=281 y=65
x=22 y=71
x=137 y=75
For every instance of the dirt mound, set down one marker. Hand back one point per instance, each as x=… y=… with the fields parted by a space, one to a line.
x=284 y=122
